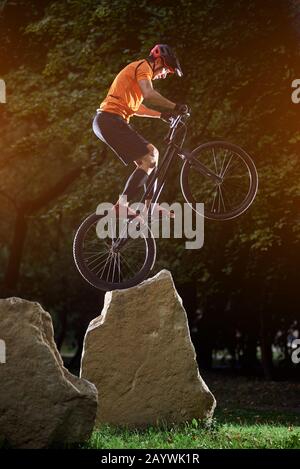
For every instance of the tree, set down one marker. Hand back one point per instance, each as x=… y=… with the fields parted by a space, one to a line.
x=238 y=66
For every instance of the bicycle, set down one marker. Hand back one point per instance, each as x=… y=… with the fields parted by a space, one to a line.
x=218 y=173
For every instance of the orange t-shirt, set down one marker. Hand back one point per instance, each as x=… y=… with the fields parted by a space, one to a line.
x=125 y=96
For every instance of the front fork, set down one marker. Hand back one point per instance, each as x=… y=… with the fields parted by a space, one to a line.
x=201 y=168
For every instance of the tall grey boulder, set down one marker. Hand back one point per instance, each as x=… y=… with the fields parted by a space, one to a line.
x=139 y=355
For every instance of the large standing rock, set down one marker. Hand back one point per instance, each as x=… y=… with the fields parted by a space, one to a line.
x=40 y=401
x=139 y=354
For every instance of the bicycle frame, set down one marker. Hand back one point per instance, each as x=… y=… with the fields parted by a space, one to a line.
x=162 y=171
x=163 y=168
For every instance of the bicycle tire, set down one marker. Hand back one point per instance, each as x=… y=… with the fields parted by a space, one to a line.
x=245 y=204
x=101 y=284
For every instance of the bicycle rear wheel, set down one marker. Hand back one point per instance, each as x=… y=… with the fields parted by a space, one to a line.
x=108 y=263
x=233 y=193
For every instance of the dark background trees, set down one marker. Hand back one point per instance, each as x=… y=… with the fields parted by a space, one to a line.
x=239 y=59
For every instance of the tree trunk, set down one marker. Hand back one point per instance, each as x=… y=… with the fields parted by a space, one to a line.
x=11 y=276
x=16 y=251
x=266 y=349
x=249 y=358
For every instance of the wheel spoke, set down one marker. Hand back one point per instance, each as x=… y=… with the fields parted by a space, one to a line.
x=222 y=199
x=226 y=198
x=236 y=184
x=215 y=161
x=233 y=191
x=98 y=255
x=136 y=248
x=90 y=252
x=123 y=231
x=226 y=167
x=97 y=265
x=109 y=267
x=224 y=159
x=102 y=262
x=123 y=258
x=103 y=269
x=235 y=165
x=113 y=275
x=219 y=200
x=215 y=196
x=97 y=259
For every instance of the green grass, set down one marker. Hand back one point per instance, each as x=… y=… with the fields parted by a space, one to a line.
x=229 y=429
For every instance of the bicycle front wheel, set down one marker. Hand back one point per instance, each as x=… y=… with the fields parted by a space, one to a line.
x=236 y=187
x=112 y=263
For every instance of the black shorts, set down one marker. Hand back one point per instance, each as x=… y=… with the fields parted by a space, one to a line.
x=120 y=136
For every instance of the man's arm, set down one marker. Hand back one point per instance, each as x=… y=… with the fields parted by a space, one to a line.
x=150 y=94
x=144 y=111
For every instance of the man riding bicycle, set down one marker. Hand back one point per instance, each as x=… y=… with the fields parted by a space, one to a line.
x=111 y=124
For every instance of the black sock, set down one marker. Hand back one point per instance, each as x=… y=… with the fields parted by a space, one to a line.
x=135 y=181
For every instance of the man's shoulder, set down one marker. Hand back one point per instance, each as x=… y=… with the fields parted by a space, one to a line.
x=136 y=68
x=143 y=68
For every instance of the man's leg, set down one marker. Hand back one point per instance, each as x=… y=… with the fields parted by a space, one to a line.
x=133 y=184
x=140 y=175
x=151 y=166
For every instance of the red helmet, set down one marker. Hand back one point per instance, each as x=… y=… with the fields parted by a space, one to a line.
x=169 y=57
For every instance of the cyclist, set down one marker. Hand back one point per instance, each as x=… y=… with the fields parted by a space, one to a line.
x=111 y=124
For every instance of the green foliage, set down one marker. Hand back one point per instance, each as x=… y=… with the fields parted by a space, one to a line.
x=238 y=64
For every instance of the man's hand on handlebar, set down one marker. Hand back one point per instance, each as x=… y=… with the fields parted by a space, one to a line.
x=182 y=109
x=179 y=109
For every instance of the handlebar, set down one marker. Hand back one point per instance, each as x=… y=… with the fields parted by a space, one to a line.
x=175 y=121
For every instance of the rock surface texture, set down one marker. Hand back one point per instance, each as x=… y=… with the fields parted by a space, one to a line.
x=40 y=401
x=139 y=355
